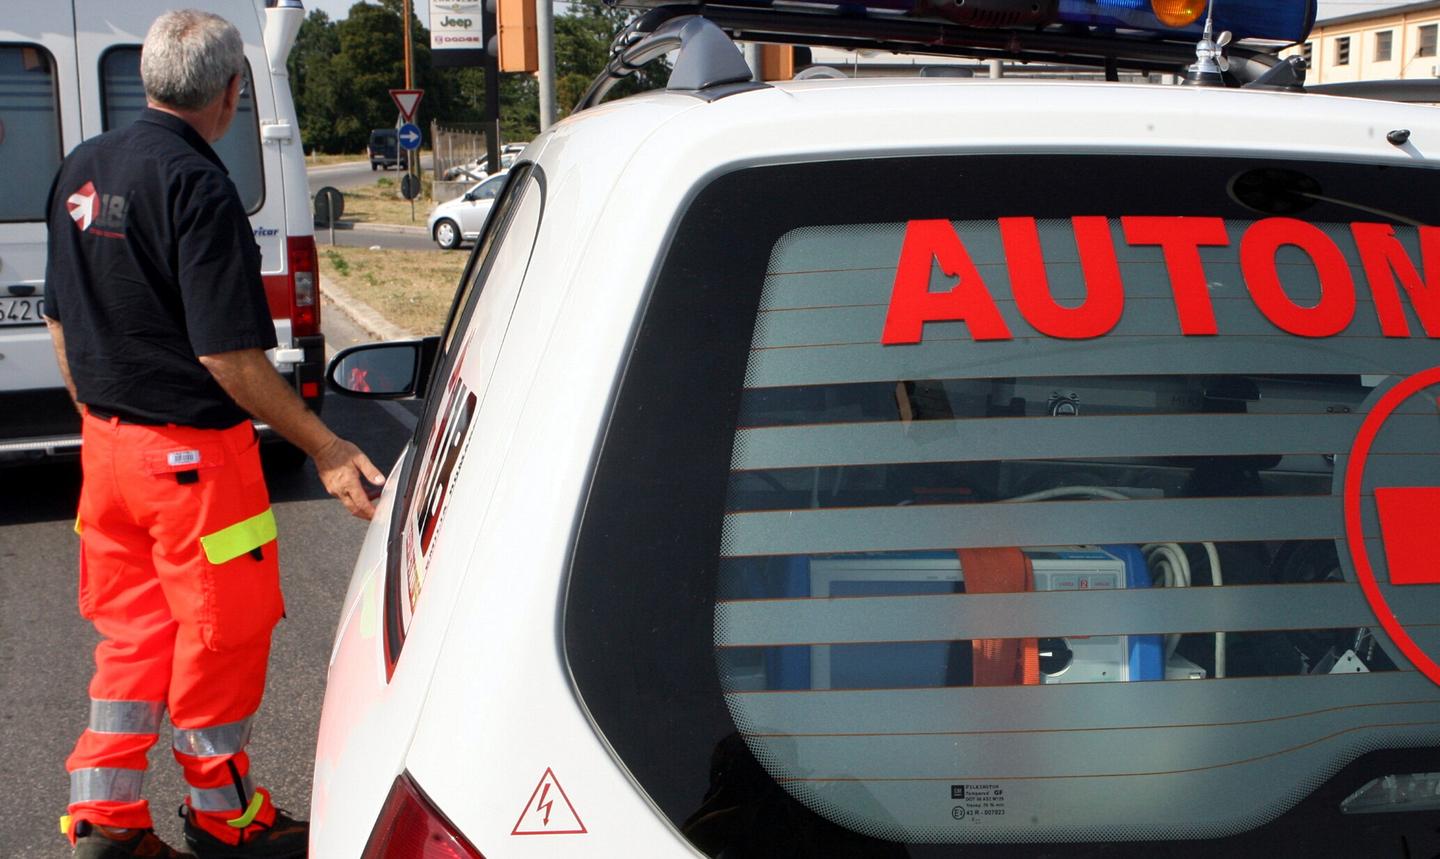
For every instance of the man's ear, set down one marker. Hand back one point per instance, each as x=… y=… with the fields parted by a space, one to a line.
x=231 y=93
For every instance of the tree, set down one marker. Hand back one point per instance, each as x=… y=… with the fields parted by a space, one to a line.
x=341 y=73
x=583 y=34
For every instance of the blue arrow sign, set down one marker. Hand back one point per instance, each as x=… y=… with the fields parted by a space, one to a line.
x=410 y=136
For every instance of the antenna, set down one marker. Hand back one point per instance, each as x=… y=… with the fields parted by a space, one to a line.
x=1210 y=61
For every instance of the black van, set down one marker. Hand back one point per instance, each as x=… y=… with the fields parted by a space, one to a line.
x=384 y=148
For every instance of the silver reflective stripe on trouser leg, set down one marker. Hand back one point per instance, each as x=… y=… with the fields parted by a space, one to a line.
x=106 y=784
x=213 y=742
x=221 y=798
x=125 y=717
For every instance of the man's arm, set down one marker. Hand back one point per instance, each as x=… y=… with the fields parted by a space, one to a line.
x=248 y=377
x=57 y=337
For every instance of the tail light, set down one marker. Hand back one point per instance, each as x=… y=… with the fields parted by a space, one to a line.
x=410 y=827
x=305 y=286
x=296 y=294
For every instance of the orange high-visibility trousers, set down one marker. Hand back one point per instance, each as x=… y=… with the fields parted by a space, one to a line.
x=179 y=573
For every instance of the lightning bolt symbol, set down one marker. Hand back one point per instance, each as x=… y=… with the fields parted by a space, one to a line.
x=544 y=806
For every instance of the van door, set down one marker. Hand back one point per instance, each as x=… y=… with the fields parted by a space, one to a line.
x=39 y=122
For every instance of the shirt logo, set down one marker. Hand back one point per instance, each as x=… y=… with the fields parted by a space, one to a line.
x=97 y=213
x=84 y=206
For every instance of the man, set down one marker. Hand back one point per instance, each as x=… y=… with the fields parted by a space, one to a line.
x=159 y=319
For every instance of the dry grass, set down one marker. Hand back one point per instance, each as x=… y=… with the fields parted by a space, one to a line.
x=412 y=289
x=381 y=203
x=315 y=160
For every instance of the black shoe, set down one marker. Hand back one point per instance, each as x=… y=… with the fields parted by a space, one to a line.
x=284 y=838
x=101 y=842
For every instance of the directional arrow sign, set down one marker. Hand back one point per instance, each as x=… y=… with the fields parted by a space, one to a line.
x=410 y=136
x=407 y=100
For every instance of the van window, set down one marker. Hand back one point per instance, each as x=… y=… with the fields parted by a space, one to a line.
x=124 y=99
x=1008 y=506
x=30 y=147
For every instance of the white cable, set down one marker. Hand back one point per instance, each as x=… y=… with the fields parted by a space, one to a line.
x=1070 y=491
x=1171 y=569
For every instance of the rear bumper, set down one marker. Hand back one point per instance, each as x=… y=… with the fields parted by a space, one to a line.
x=48 y=426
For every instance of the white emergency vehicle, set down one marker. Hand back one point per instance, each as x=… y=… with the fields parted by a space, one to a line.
x=71 y=70
x=928 y=467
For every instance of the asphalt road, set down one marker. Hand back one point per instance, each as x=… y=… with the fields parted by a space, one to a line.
x=389 y=238
x=351 y=174
x=45 y=647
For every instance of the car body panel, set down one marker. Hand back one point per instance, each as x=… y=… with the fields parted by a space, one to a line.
x=500 y=709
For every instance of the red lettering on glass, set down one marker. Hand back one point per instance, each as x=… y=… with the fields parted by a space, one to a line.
x=1336 y=306
x=1181 y=239
x=912 y=304
x=1104 y=294
x=1385 y=260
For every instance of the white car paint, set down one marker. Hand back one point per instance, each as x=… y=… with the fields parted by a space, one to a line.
x=481 y=703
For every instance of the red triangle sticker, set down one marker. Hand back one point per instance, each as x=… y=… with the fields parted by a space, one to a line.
x=548 y=811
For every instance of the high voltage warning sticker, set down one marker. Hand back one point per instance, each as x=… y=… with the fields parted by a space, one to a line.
x=549 y=811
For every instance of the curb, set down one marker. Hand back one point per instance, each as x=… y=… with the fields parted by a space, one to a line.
x=383 y=228
x=367 y=318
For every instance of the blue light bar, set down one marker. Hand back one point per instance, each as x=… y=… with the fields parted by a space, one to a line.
x=1279 y=20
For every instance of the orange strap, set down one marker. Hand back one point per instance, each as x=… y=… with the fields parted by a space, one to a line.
x=1001 y=661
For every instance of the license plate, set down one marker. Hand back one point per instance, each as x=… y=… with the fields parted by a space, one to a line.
x=22 y=311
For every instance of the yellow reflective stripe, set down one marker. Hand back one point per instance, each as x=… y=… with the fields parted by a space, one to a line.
x=79 y=529
x=234 y=541
x=256 y=803
x=64 y=824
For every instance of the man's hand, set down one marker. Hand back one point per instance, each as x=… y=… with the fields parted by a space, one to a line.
x=344 y=470
x=247 y=376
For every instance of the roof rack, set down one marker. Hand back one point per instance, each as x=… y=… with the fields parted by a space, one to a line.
x=708 y=59
x=1415 y=91
x=709 y=66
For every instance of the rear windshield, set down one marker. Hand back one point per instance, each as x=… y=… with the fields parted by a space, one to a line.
x=239 y=149
x=1012 y=501
x=29 y=131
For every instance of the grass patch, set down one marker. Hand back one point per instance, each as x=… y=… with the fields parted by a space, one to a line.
x=381 y=203
x=314 y=160
x=338 y=261
x=412 y=289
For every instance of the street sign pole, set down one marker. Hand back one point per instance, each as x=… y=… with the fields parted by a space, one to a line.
x=491 y=30
x=409 y=61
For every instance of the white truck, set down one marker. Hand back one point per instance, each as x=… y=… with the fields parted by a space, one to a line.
x=71 y=70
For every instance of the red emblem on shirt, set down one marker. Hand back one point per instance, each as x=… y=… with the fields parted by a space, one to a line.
x=84 y=206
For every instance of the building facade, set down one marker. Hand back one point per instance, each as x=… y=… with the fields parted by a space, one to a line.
x=1388 y=44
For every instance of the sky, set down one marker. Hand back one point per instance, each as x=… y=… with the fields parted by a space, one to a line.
x=336 y=9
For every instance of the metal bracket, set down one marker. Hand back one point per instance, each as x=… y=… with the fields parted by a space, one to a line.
x=707 y=57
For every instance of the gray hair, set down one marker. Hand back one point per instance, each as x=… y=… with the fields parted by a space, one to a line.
x=189 y=57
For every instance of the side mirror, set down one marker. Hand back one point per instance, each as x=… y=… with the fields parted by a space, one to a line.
x=392 y=370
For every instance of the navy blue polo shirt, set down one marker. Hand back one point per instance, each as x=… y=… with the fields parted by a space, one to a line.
x=152 y=262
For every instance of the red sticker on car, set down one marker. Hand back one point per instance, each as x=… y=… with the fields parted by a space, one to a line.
x=1389 y=272
x=1406 y=515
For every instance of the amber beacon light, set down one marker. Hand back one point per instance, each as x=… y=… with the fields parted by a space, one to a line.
x=1177 y=13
